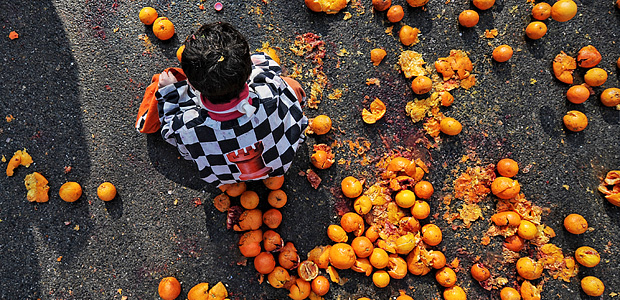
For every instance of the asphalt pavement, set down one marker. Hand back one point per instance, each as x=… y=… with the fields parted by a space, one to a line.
x=71 y=85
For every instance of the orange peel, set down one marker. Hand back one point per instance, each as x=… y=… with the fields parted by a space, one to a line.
x=377 y=110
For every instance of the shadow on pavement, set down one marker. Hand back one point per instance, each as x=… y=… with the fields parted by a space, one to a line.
x=167 y=161
x=40 y=90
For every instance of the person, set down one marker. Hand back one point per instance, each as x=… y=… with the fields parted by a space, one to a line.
x=232 y=113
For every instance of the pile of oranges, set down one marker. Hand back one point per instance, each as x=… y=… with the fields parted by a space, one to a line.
x=563 y=66
x=519 y=221
x=170 y=288
x=561 y=11
x=383 y=237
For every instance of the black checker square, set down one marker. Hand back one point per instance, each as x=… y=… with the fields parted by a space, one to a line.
x=216 y=160
x=278 y=133
x=195 y=150
x=270 y=155
x=239 y=130
x=287 y=156
x=262 y=130
x=228 y=145
x=293 y=133
x=205 y=133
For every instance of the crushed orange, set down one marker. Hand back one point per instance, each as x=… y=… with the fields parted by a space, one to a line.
x=37 y=187
x=377 y=110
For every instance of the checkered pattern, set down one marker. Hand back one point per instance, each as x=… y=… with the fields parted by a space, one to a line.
x=278 y=123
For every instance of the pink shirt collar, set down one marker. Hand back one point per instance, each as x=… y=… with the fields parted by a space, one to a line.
x=227 y=111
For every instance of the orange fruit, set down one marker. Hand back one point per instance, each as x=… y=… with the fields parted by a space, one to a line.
x=235 y=189
x=575 y=121
x=454 y=293
x=483 y=4
x=575 y=224
x=379 y=258
x=468 y=18
x=106 y=191
x=541 y=11
x=529 y=291
x=377 y=55
x=277 y=198
x=421 y=85
x=420 y=210
x=264 y=263
x=352 y=222
x=320 y=285
x=274 y=183
x=446 y=98
x=377 y=110
x=249 y=199
x=163 y=28
x=362 y=205
x=169 y=288
x=507 y=167
x=437 y=259
x=578 y=94
x=502 y=53
x=450 y=126
x=405 y=198
x=381 y=5
x=320 y=125
x=408 y=35
x=536 y=30
x=278 y=277
x=372 y=233
x=307 y=270
x=321 y=160
x=351 y=187
x=610 y=97
x=147 y=15
x=341 y=256
x=222 y=202
x=563 y=10
x=417 y=3
x=381 y=278
x=431 y=234
x=595 y=77
x=587 y=256
x=529 y=269
x=588 y=57
x=480 y=272
x=514 y=243
x=424 y=189
x=505 y=188
x=199 y=292
x=527 y=230
x=395 y=14
x=300 y=289
x=314 y=5
x=509 y=293
x=272 y=241
x=180 y=52
x=592 y=286
x=288 y=257
x=337 y=234
x=446 y=277
x=272 y=218
x=362 y=246
x=70 y=191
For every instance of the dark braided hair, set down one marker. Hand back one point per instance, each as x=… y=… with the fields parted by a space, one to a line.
x=216 y=61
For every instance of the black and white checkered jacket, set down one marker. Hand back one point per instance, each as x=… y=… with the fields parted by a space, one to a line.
x=272 y=134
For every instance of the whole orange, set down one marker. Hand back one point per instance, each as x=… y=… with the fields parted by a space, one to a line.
x=147 y=15
x=454 y=293
x=536 y=30
x=321 y=124
x=577 y=94
x=163 y=28
x=106 y=191
x=70 y=191
x=169 y=288
x=264 y=263
x=450 y=126
x=563 y=10
x=377 y=55
x=314 y=5
x=541 y=11
x=408 y=35
x=610 y=97
x=421 y=85
x=342 y=256
x=507 y=167
x=395 y=14
x=595 y=77
x=351 y=187
x=320 y=285
x=274 y=183
x=416 y=3
x=381 y=5
x=502 y=53
x=483 y=4
x=468 y=18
